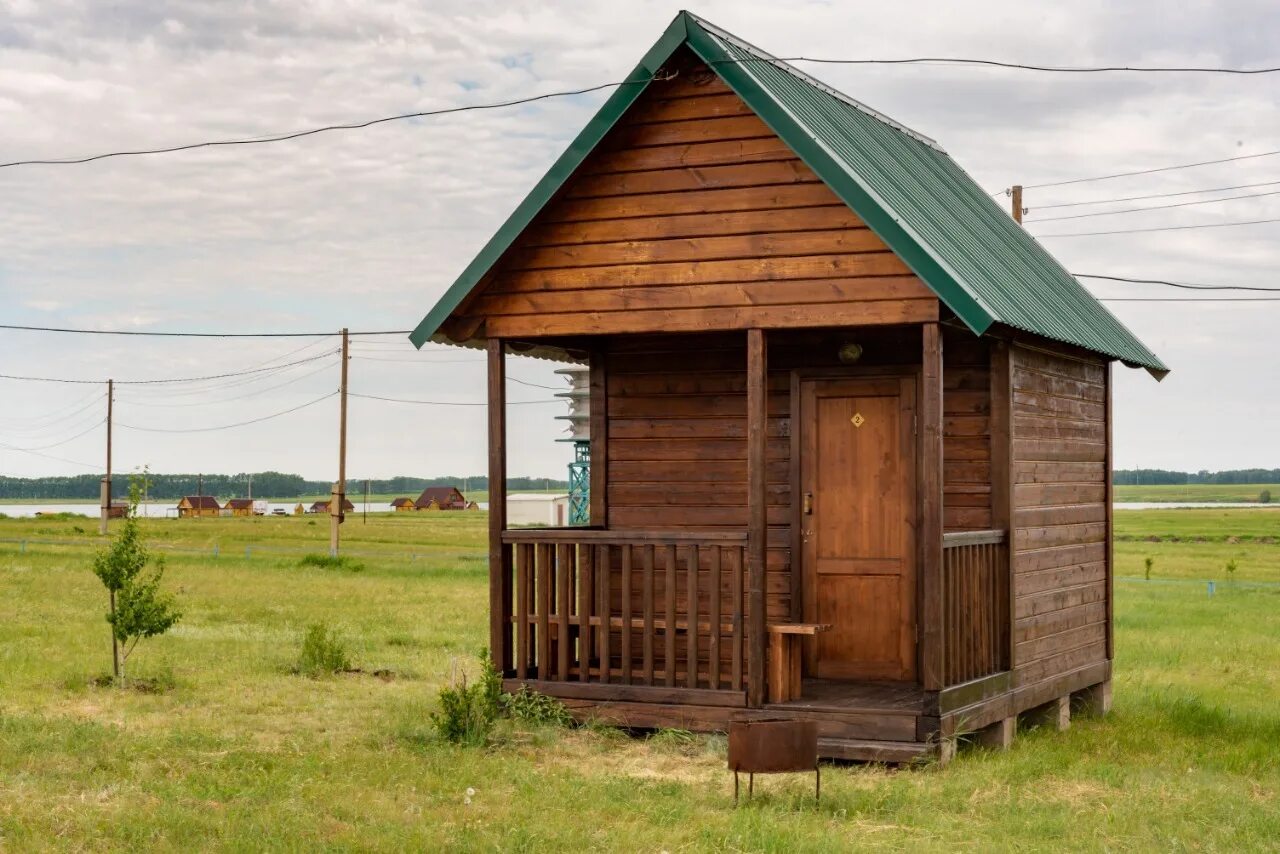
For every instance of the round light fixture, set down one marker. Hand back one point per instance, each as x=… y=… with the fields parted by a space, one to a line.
x=850 y=353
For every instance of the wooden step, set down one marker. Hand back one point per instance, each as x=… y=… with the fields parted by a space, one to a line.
x=868 y=750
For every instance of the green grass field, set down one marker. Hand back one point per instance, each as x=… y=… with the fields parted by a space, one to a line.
x=1197 y=492
x=240 y=754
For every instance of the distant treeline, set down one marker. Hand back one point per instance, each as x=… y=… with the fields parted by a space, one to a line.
x=266 y=484
x=1152 y=477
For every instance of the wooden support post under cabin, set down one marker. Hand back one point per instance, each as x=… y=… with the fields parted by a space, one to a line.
x=1110 y=499
x=932 y=655
x=997 y=736
x=598 y=475
x=757 y=522
x=499 y=576
x=1094 y=701
x=1056 y=713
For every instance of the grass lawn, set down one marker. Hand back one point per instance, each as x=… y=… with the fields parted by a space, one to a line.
x=1196 y=492
x=240 y=754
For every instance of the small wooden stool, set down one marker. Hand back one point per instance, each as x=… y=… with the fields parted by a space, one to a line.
x=773 y=746
x=785 y=668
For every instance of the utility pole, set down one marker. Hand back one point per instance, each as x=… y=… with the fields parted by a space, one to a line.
x=338 y=495
x=366 y=501
x=250 y=487
x=1016 y=194
x=106 y=481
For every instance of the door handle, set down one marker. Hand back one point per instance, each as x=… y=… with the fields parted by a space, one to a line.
x=807 y=508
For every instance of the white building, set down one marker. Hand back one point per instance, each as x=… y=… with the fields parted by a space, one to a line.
x=538 y=508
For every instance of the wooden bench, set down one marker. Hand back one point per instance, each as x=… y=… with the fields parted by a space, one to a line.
x=785 y=667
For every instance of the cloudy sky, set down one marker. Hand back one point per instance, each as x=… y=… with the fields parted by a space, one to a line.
x=366 y=228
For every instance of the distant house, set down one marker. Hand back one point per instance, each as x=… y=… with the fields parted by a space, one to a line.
x=297 y=510
x=198 y=505
x=323 y=506
x=239 y=506
x=403 y=505
x=537 y=508
x=442 y=497
x=118 y=509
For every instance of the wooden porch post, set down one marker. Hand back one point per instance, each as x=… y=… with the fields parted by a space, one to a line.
x=599 y=420
x=1002 y=482
x=932 y=653
x=499 y=567
x=757 y=520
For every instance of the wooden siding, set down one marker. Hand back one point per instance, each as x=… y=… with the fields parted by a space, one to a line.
x=1060 y=512
x=692 y=215
x=966 y=432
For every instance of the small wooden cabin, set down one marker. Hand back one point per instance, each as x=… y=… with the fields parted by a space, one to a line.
x=402 y=505
x=323 y=506
x=198 y=505
x=239 y=507
x=850 y=430
x=441 y=498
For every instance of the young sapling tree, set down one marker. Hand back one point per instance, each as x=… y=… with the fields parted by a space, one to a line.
x=139 y=609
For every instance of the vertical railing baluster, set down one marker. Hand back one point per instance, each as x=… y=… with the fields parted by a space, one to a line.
x=736 y=586
x=522 y=610
x=691 y=607
x=604 y=610
x=563 y=597
x=669 y=636
x=625 y=652
x=713 y=619
x=647 y=592
x=542 y=556
x=585 y=591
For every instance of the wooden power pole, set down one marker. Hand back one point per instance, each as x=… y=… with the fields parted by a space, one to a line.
x=106 y=481
x=1016 y=194
x=338 y=495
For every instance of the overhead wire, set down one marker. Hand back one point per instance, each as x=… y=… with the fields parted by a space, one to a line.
x=1145 y=171
x=255 y=393
x=229 y=426
x=1152 y=207
x=446 y=402
x=1159 y=228
x=68 y=440
x=167 y=380
x=1155 y=196
x=1187 y=285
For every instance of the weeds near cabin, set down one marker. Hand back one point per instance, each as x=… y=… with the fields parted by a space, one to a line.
x=1147 y=563
x=468 y=712
x=531 y=707
x=323 y=653
x=342 y=562
x=1231 y=568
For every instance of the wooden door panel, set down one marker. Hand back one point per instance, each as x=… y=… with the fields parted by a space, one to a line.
x=857 y=473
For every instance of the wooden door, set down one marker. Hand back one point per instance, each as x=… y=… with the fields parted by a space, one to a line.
x=857 y=484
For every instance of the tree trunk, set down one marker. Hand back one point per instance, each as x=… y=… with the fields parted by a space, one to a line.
x=115 y=644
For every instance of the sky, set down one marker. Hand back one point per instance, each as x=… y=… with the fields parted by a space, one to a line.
x=366 y=228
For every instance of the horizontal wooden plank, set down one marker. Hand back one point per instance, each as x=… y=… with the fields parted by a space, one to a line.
x=708 y=471
x=1028 y=584
x=1064 y=662
x=1043 y=494
x=1042 y=625
x=696 y=297
x=966 y=448
x=1052 y=558
x=1059 y=472
x=681 y=179
x=1092 y=371
x=1040 y=427
x=701 y=428
x=1056 y=599
x=1058 y=535
x=649 y=536
x=688 y=130
x=964 y=425
x=696 y=494
x=1058 y=450
x=694 y=379
x=1055 y=644
x=684 y=106
x=772 y=199
x=690 y=449
x=765 y=269
x=630 y=693
x=829 y=216
x=692 y=405
x=1059 y=514
x=733 y=247
x=685 y=154
x=965 y=518
x=668 y=516
x=874 y=313
x=1028 y=403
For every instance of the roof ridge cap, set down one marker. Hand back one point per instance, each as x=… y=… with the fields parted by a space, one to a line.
x=787 y=67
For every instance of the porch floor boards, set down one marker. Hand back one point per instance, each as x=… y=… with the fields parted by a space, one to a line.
x=833 y=695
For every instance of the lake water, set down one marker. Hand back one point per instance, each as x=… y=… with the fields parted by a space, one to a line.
x=170 y=510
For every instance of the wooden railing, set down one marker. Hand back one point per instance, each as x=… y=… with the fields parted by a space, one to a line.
x=975 y=590
x=623 y=608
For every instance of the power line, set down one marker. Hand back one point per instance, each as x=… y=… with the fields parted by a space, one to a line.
x=254 y=393
x=144 y=334
x=1146 y=171
x=1155 y=196
x=445 y=402
x=86 y=466
x=1160 y=228
x=1190 y=299
x=995 y=63
x=170 y=380
x=1154 y=207
x=260 y=140
x=1187 y=285
x=228 y=426
x=89 y=429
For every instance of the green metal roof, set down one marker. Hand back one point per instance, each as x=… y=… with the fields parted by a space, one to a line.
x=947 y=229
